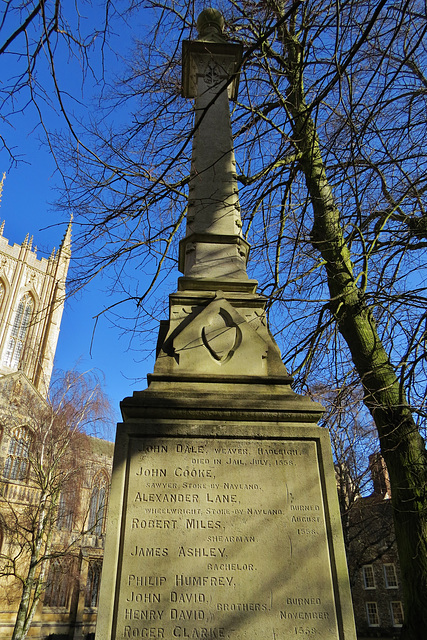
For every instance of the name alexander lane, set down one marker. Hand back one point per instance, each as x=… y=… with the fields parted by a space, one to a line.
x=173 y=498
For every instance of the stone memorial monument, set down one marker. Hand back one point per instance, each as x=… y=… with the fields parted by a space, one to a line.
x=223 y=516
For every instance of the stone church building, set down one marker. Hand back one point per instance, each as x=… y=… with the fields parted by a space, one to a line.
x=32 y=294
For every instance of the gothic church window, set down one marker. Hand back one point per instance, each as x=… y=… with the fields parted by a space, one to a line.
x=17 y=461
x=92 y=584
x=64 y=520
x=2 y=292
x=97 y=506
x=59 y=583
x=19 y=331
x=1 y=533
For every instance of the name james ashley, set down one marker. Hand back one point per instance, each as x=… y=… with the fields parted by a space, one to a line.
x=183 y=552
x=150 y=552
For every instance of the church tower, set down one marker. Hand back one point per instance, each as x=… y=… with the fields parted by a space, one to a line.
x=32 y=294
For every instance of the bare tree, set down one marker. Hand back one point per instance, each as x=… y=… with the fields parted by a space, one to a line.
x=44 y=470
x=353 y=440
x=51 y=52
x=329 y=136
x=329 y=132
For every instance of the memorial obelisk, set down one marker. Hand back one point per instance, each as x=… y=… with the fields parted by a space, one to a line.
x=223 y=516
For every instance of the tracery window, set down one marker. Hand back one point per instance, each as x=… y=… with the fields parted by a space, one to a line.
x=19 y=331
x=97 y=506
x=59 y=583
x=65 y=513
x=17 y=461
x=92 y=584
x=1 y=533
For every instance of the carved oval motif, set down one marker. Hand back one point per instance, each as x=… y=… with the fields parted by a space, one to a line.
x=221 y=336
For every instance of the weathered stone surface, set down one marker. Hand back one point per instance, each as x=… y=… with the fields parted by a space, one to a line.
x=218 y=337
x=213 y=247
x=224 y=534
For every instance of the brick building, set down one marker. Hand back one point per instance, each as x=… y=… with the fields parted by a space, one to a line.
x=373 y=561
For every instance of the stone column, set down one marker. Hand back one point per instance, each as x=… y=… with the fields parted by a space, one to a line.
x=213 y=252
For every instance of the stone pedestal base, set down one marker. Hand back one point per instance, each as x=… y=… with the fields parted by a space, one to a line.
x=223 y=528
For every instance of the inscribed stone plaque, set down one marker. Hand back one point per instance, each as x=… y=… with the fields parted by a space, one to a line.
x=224 y=538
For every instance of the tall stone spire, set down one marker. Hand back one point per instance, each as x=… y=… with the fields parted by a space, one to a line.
x=213 y=254
x=65 y=246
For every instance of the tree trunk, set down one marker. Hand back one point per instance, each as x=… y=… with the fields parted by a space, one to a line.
x=21 y=629
x=38 y=590
x=401 y=444
x=31 y=588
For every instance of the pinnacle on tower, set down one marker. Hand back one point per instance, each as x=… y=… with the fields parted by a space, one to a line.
x=1 y=185
x=65 y=246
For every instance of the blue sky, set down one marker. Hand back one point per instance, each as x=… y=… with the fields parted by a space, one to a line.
x=27 y=207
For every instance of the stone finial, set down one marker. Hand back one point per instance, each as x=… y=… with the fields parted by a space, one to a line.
x=210 y=26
